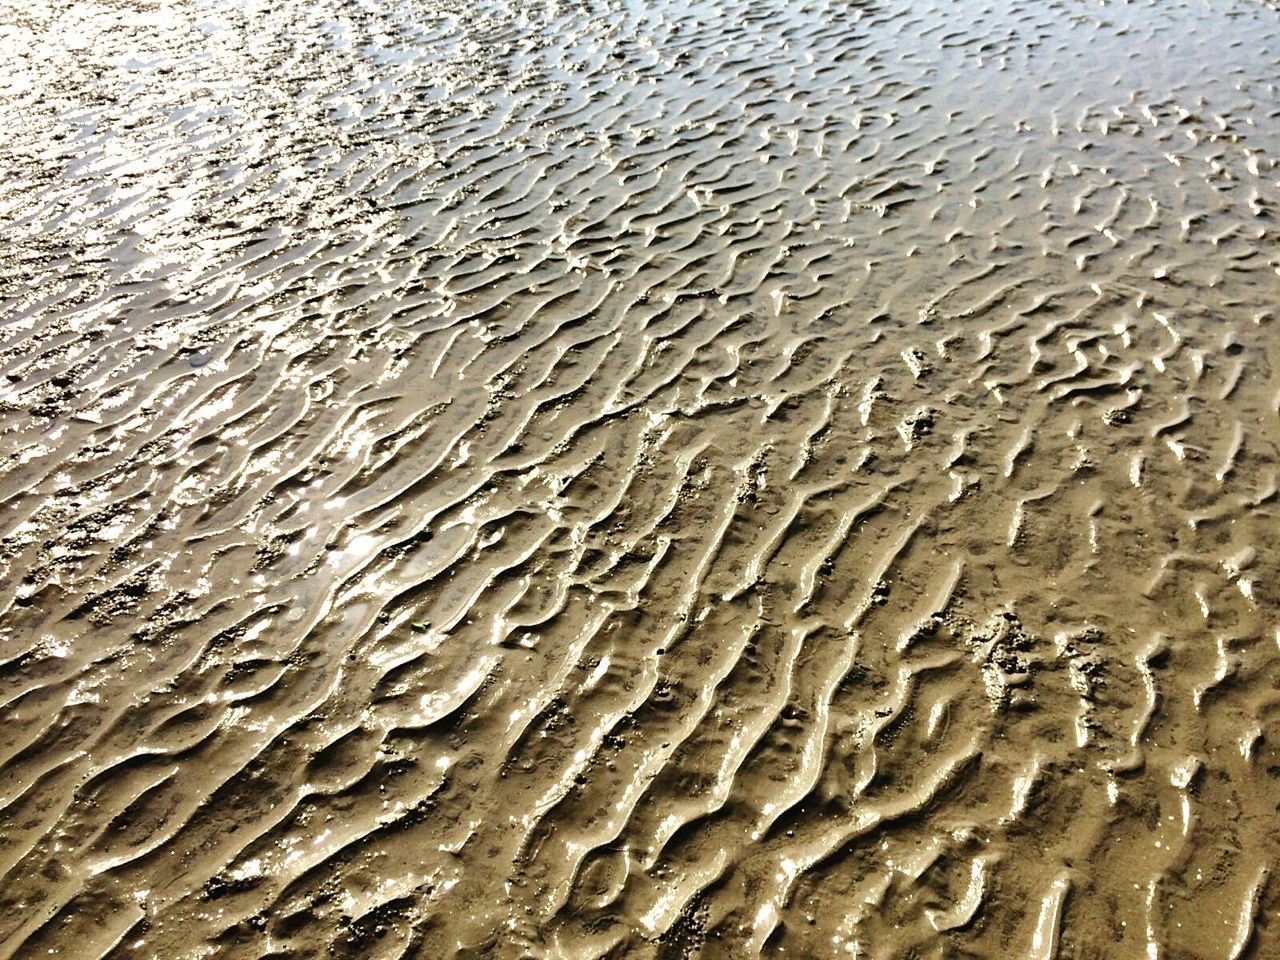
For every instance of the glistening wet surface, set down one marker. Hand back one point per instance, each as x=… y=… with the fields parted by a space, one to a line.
x=639 y=479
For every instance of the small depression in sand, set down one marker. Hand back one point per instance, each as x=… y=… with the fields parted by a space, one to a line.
x=639 y=479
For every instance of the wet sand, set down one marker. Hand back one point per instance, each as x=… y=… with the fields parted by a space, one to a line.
x=657 y=480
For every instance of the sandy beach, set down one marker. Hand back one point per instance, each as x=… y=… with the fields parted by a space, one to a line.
x=651 y=479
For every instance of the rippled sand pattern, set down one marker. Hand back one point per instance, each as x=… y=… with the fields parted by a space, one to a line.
x=651 y=479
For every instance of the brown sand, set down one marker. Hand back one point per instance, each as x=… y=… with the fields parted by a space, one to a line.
x=672 y=480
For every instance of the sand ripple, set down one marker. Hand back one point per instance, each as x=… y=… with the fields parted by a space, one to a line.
x=730 y=479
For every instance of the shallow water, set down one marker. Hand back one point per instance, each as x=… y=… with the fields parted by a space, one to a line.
x=639 y=479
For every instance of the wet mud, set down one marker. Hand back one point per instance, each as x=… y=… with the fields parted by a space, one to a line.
x=639 y=480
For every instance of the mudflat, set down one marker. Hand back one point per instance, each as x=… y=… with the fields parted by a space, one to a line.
x=639 y=480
